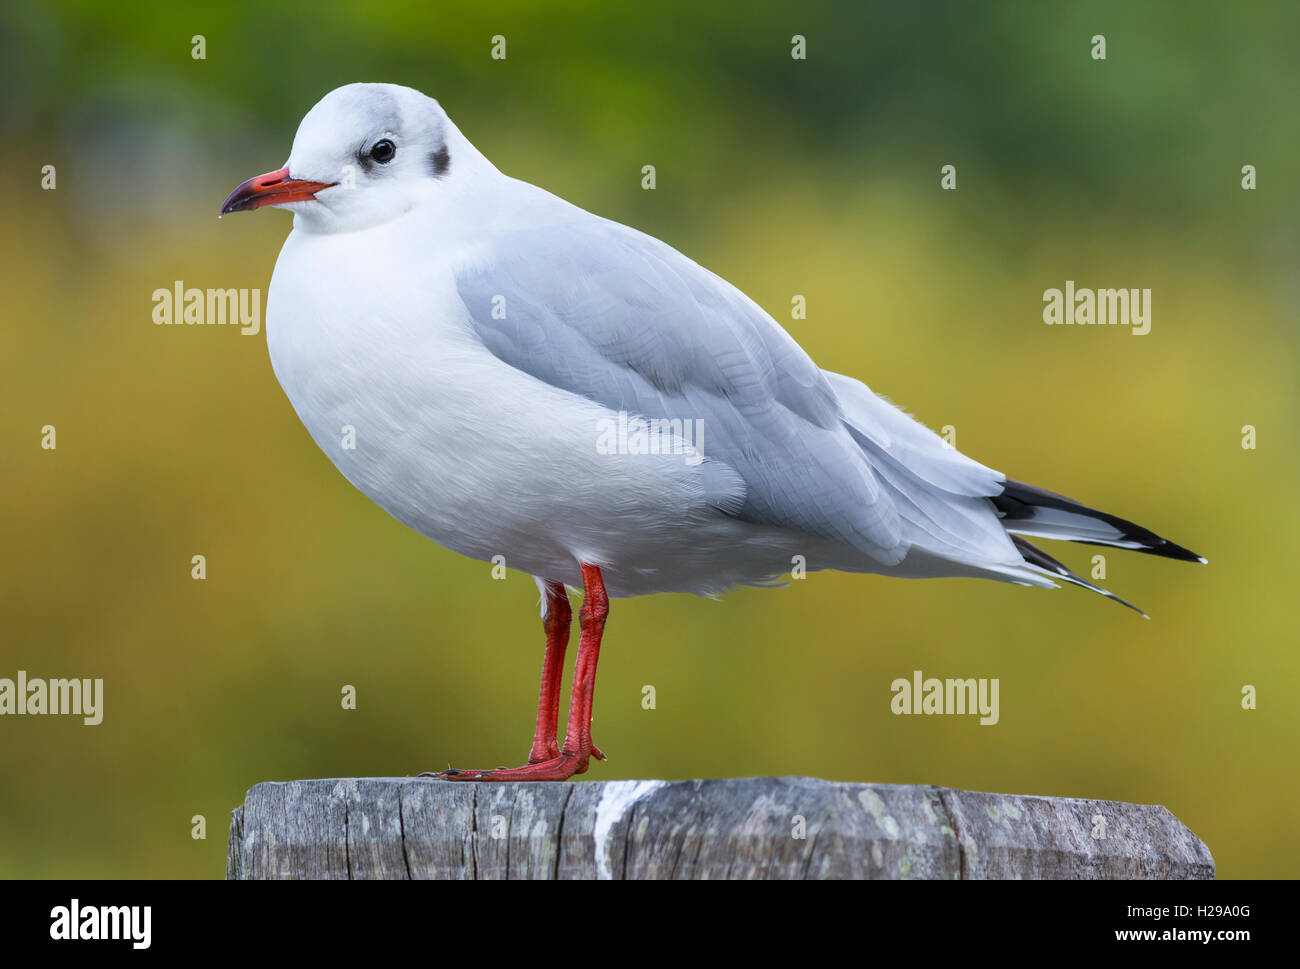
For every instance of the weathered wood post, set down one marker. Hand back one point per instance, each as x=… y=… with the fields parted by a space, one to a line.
x=754 y=827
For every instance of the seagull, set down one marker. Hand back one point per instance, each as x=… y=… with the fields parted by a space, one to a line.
x=524 y=382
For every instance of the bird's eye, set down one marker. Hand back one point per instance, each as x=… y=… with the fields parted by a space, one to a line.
x=383 y=151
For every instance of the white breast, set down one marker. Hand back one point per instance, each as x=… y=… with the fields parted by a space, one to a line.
x=374 y=354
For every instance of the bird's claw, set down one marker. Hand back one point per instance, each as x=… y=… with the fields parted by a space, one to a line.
x=558 y=768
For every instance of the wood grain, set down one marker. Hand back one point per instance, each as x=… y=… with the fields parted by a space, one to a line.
x=751 y=828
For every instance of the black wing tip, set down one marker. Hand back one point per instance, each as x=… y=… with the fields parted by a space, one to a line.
x=1167 y=549
x=1113 y=598
x=1037 y=557
x=1018 y=494
x=1161 y=547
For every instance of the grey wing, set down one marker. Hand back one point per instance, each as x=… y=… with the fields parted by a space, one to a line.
x=617 y=317
x=941 y=494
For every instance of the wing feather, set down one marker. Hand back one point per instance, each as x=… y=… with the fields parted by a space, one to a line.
x=617 y=317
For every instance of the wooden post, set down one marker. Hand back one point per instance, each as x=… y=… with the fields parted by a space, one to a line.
x=753 y=827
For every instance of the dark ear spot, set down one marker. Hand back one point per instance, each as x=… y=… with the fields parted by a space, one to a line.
x=441 y=161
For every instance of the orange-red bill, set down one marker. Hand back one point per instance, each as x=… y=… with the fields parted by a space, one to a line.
x=273 y=188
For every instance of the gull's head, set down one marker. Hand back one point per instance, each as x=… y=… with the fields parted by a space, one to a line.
x=364 y=155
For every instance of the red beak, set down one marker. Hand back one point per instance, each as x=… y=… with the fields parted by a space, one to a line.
x=273 y=188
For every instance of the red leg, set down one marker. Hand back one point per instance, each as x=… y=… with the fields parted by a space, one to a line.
x=575 y=755
x=595 y=609
x=556 y=623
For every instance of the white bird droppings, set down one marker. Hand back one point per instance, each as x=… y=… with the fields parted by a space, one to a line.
x=615 y=801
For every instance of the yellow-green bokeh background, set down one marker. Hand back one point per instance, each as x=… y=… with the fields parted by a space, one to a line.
x=818 y=177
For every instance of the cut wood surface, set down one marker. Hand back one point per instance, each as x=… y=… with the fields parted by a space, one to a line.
x=751 y=827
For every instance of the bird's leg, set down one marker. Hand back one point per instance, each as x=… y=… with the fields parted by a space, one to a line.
x=556 y=623
x=591 y=619
x=578 y=749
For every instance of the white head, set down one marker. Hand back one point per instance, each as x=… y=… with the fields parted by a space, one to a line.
x=364 y=155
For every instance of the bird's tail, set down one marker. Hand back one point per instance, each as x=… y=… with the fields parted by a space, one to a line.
x=1026 y=510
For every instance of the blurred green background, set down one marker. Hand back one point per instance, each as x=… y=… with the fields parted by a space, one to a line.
x=818 y=177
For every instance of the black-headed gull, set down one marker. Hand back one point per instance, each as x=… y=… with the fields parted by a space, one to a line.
x=515 y=377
